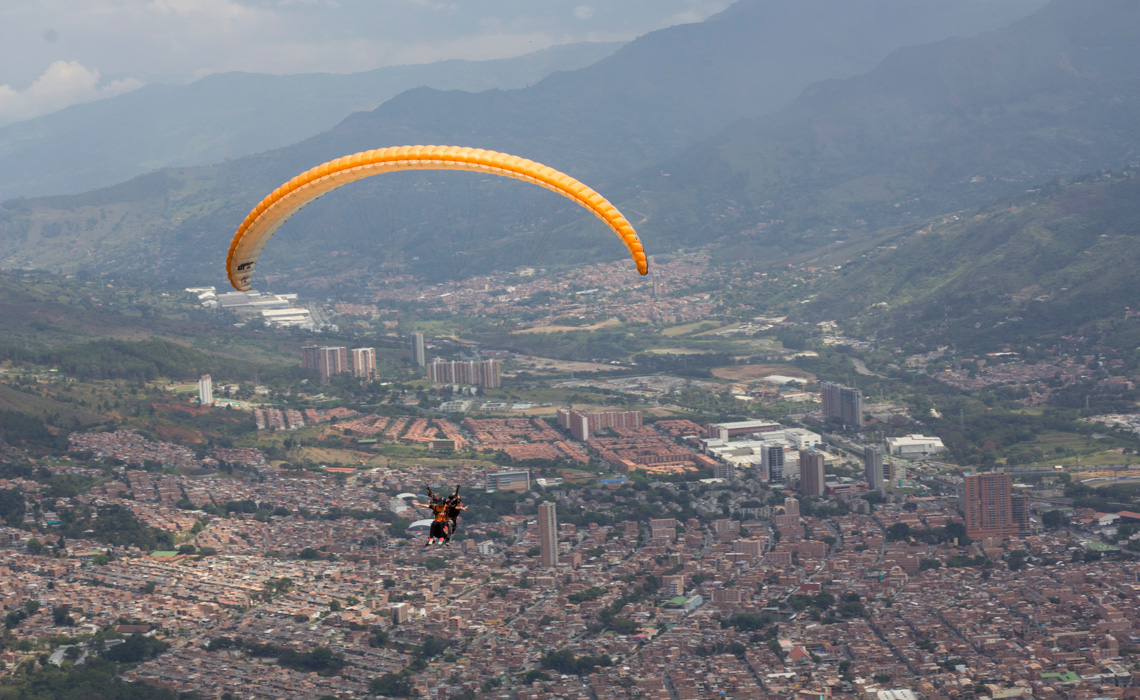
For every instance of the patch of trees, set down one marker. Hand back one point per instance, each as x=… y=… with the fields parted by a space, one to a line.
x=848 y=606
x=114 y=525
x=938 y=535
x=819 y=602
x=135 y=649
x=962 y=560
x=898 y=532
x=1104 y=498
x=141 y=360
x=392 y=685
x=12 y=507
x=14 y=618
x=589 y=594
x=600 y=344
x=96 y=678
x=1054 y=519
x=21 y=429
x=61 y=616
x=320 y=660
x=735 y=648
x=991 y=433
x=1016 y=560
x=648 y=588
x=697 y=365
x=564 y=661
x=62 y=485
x=749 y=622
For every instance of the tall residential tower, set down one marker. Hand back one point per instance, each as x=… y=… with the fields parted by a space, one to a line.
x=419 y=352
x=364 y=363
x=988 y=502
x=842 y=402
x=873 y=467
x=548 y=534
x=206 y=390
x=813 y=481
x=327 y=361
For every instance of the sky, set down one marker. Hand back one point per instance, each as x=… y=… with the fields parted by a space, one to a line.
x=55 y=53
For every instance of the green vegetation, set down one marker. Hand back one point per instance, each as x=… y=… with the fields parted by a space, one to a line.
x=95 y=679
x=12 y=507
x=145 y=360
x=819 y=602
x=962 y=560
x=1059 y=253
x=135 y=649
x=763 y=627
x=602 y=344
x=392 y=685
x=23 y=430
x=320 y=660
x=115 y=525
x=689 y=365
x=586 y=595
x=564 y=661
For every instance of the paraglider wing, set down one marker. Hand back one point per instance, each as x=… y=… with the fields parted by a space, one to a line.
x=261 y=223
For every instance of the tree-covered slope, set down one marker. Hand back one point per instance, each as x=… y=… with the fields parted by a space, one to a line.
x=932 y=129
x=1057 y=261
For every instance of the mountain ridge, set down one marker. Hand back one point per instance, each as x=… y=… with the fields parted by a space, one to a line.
x=919 y=135
x=1052 y=262
x=599 y=131
x=231 y=115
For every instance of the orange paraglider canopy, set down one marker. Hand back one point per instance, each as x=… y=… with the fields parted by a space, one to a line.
x=261 y=223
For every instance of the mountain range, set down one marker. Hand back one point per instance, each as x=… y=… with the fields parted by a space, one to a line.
x=932 y=129
x=688 y=129
x=230 y=115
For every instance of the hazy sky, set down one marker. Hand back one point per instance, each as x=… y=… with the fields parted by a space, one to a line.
x=59 y=52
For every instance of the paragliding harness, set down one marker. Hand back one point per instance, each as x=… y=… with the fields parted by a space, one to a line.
x=454 y=508
x=438 y=507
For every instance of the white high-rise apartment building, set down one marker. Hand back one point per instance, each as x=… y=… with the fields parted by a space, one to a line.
x=206 y=390
x=419 y=352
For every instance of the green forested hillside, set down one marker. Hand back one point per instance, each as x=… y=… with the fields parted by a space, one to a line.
x=932 y=129
x=1057 y=261
x=139 y=360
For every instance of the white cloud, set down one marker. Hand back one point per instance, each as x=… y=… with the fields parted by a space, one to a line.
x=179 y=40
x=64 y=83
x=434 y=6
x=697 y=11
x=218 y=9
